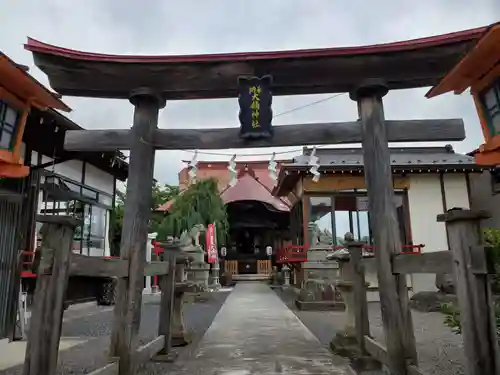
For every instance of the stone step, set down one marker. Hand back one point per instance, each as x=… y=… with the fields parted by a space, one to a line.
x=251 y=277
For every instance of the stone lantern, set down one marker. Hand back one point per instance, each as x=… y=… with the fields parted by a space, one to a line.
x=345 y=283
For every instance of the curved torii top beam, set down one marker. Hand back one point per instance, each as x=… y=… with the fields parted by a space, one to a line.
x=406 y=64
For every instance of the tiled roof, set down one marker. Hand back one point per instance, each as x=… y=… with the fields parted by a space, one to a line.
x=400 y=157
x=253 y=183
x=248 y=188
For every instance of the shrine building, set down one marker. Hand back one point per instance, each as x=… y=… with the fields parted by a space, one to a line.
x=427 y=181
x=296 y=215
x=257 y=219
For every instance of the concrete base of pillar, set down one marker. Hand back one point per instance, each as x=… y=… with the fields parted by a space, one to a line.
x=165 y=358
x=181 y=339
x=214 y=287
x=347 y=346
x=319 y=295
x=320 y=305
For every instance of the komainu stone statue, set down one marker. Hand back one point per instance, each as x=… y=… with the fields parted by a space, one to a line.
x=199 y=270
x=445 y=283
x=190 y=240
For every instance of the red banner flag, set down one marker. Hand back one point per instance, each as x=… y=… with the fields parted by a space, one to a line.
x=211 y=244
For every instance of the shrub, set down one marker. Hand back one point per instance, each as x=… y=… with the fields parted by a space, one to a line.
x=492 y=239
x=452 y=318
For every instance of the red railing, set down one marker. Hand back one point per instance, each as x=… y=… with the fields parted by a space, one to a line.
x=298 y=253
x=27 y=258
x=292 y=254
x=157 y=250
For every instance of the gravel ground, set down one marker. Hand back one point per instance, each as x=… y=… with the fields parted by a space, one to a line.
x=440 y=351
x=96 y=328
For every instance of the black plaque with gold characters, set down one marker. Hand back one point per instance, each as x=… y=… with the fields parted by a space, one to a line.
x=255 y=101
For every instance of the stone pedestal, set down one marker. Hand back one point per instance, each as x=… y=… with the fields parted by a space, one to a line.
x=345 y=286
x=215 y=284
x=318 y=267
x=180 y=335
x=286 y=275
x=275 y=277
x=149 y=250
x=346 y=290
x=318 y=290
x=198 y=272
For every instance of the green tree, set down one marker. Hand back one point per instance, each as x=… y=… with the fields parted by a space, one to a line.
x=160 y=194
x=199 y=204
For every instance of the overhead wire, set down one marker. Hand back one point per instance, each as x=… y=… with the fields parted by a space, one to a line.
x=274 y=116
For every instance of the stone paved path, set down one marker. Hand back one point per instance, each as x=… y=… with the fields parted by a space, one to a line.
x=254 y=333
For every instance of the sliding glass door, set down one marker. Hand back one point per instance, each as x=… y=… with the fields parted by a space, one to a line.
x=331 y=217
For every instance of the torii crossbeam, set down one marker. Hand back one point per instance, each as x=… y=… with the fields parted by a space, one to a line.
x=284 y=135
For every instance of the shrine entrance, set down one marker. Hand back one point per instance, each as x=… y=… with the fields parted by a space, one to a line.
x=367 y=74
x=256 y=231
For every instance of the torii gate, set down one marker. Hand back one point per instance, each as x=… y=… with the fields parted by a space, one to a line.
x=367 y=73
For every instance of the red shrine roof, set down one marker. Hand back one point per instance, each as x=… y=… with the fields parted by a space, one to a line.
x=15 y=79
x=405 y=64
x=254 y=183
x=250 y=188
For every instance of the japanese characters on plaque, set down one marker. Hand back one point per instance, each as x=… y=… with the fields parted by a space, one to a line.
x=255 y=101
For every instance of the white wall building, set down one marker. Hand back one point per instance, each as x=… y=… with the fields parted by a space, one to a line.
x=427 y=181
x=79 y=184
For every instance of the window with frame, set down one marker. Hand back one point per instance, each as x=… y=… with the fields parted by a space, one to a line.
x=320 y=226
x=330 y=217
x=8 y=124
x=93 y=210
x=491 y=103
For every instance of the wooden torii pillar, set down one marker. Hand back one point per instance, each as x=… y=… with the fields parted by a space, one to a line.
x=400 y=339
x=124 y=340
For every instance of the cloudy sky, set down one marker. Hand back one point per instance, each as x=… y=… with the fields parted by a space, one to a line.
x=197 y=26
